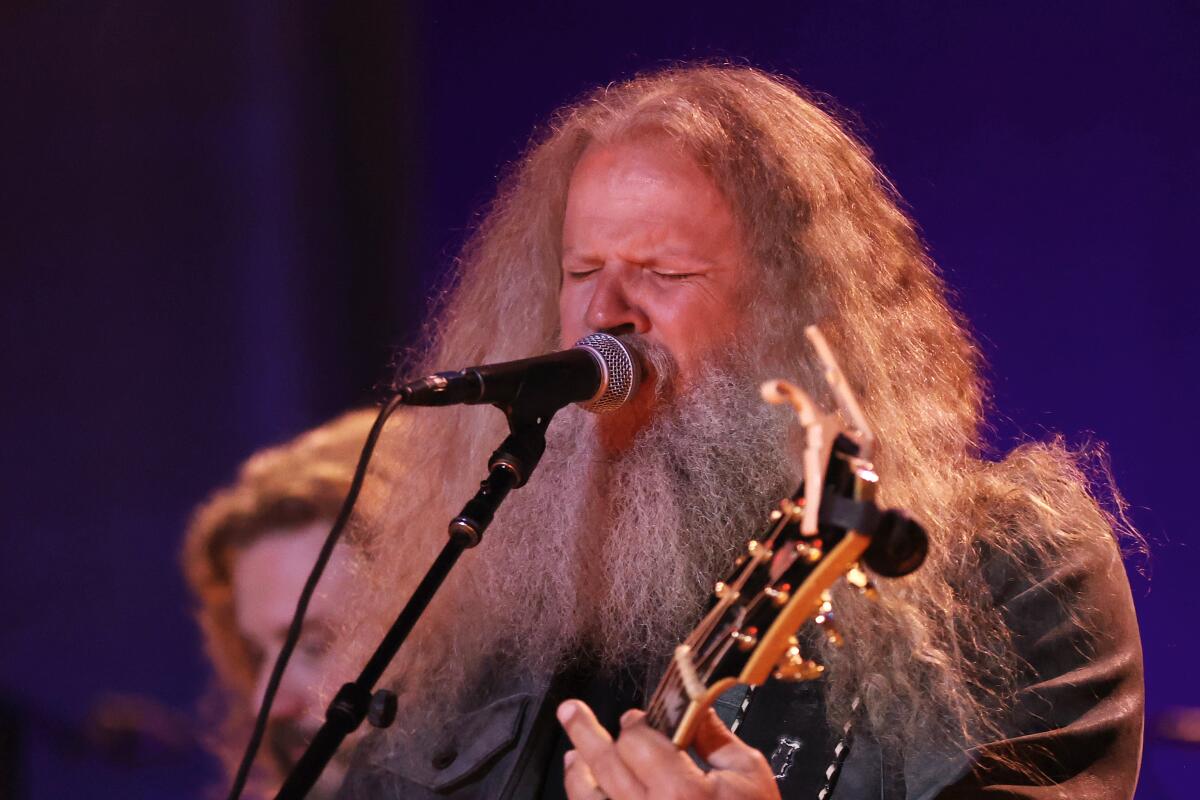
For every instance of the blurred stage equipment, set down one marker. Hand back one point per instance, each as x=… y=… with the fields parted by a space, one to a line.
x=128 y=730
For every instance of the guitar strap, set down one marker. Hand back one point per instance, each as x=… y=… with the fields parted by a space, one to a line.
x=786 y=722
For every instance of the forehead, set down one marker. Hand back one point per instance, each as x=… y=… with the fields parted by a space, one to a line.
x=648 y=192
x=269 y=573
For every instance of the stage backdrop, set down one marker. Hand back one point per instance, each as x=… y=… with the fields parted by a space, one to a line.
x=217 y=220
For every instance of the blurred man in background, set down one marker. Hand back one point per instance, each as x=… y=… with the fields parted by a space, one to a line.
x=247 y=554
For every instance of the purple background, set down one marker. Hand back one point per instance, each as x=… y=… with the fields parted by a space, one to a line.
x=216 y=222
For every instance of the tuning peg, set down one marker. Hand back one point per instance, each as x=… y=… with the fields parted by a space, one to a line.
x=746 y=640
x=759 y=550
x=862 y=582
x=779 y=596
x=722 y=590
x=792 y=509
x=795 y=667
x=824 y=620
x=809 y=552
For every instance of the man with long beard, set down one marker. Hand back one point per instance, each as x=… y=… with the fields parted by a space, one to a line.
x=709 y=214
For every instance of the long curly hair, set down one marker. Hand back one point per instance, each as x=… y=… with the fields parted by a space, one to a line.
x=829 y=243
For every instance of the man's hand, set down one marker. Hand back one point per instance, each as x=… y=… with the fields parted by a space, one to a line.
x=642 y=764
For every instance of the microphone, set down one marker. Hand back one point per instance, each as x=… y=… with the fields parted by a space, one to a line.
x=600 y=372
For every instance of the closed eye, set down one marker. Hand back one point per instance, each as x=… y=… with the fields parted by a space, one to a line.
x=674 y=276
x=580 y=274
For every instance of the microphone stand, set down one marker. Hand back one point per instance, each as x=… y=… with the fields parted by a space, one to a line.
x=509 y=468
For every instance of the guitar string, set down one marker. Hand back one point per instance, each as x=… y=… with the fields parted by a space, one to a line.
x=670 y=684
x=706 y=662
x=672 y=679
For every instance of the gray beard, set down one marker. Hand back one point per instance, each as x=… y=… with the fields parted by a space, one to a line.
x=602 y=556
x=612 y=556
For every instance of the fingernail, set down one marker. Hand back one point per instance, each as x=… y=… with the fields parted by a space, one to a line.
x=566 y=711
x=568 y=759
x=629 y=717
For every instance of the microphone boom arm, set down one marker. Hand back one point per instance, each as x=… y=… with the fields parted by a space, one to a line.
x=600 y=372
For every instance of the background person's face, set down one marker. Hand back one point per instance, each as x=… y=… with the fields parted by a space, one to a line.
x=268 y=576
x=650 y=246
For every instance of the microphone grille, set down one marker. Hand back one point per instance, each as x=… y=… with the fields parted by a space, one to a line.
x=620 y=369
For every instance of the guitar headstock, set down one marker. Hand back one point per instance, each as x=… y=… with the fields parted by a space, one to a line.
x=782 y=579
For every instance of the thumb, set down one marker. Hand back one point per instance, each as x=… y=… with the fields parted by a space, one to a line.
x=717 y=745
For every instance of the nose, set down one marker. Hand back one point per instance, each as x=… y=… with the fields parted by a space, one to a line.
x=613 y=305
x=290 y=699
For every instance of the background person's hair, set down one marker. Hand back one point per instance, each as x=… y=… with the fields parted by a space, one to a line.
x=277 y=490
x=829 y=244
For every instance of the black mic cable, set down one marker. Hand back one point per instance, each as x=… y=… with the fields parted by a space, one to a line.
x=310 y=586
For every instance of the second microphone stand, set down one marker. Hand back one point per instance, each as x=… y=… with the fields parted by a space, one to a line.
x=509 y=468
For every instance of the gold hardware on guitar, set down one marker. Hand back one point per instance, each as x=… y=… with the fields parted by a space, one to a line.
x=795 y=667
x=862 y=582
x=810 y=553
x=779 y=596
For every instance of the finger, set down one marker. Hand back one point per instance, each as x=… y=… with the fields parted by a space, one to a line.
x=578 y=779
x=718 y=746
x=653 y=758
x=595 y=747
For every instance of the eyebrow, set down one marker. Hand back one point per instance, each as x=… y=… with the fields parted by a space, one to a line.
x=669 y=254
x=570 y=252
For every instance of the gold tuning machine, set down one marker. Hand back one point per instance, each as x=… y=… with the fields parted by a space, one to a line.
x=779 y=596
x=809 y=553
x=795 y=667
x=792 y=509
x=862 y=582
x=824 y=620
x=757 y=549
x=746 y=640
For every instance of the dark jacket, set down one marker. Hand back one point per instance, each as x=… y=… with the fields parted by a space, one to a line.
x=1076 y=727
